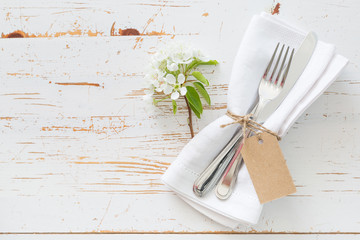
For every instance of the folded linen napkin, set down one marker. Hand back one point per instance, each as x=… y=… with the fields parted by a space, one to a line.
x=252 y=58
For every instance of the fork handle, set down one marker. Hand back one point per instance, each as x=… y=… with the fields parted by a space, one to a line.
x=224 y=187
x=212 y=174
x=259 y=106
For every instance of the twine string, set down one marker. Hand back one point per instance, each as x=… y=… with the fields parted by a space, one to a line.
x=248 y=124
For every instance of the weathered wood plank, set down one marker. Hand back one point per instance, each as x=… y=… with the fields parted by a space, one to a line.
x=77 y=148
x=81 y=153
x=181 y=236
x=335 y=21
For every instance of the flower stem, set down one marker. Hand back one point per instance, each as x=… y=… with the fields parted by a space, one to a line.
x=190 y=118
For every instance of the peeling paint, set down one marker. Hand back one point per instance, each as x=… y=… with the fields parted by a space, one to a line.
x=76 y=32
x=275 y=9
x=133 y=32
x=15 y=34
x=78 y=84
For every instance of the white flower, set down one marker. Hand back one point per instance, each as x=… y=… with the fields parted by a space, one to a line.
x=166 y=70
x=170 y=79
x=182 y=57
x=149 y=103
x=175 y=95
x=167 y=88
x=181 y=78
x=160 y=56
x=154 y=78
x=199 y=55
x=175 y=86
x=183 y=91
x=172 y=66
x=155 y=83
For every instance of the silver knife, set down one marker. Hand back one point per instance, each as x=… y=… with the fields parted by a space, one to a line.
x=212 y=174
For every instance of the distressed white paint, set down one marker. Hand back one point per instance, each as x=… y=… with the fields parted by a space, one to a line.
x=89 y=159
x=181 y=236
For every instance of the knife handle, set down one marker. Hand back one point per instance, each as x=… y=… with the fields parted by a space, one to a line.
x=212 y=174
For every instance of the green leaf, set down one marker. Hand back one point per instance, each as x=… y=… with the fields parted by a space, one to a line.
x=174 y=106
x=200 y=77
x=201 y=89
x=194 y=99
x=191 y=65
x=211 y=62
x=195 y=111
x=198 y=62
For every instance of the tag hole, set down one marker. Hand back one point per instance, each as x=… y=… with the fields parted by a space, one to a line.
x=260 y=141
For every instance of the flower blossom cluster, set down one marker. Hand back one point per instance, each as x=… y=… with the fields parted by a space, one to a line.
x=168 y=71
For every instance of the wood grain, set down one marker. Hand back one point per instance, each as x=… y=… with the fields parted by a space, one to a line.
x=80 y=152
x=182 y=236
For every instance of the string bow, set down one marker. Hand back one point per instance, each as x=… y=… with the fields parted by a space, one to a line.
x=249 y=124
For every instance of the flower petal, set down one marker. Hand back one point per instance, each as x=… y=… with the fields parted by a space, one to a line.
x=181 y=78
x=188 y=54
x=170 y=79
x=160 y=73
x=175 y=95
x=168 y=89
x=156 y=83
x=183 y=91
x=159 y=56
x=204 y=58
x=172 y=66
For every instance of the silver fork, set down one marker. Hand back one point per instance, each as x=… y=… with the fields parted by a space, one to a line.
x=269 y=89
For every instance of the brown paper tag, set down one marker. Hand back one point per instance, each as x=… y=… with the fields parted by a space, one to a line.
x=267 y=167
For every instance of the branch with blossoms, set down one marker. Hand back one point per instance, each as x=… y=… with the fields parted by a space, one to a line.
x=172 y=74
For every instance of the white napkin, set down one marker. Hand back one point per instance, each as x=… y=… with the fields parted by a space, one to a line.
x=257 y=46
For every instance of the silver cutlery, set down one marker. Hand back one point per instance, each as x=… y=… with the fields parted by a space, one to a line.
x=269 y=88
x=212 y=174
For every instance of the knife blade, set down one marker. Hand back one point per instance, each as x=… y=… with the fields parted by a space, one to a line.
x=210 y=176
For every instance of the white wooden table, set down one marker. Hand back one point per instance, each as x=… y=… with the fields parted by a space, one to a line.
x=80 y=155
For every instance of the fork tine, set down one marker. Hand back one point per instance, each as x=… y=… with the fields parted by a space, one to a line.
x=271 y=60
x=277 y=82
x=277 y=63
x=287 y=68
